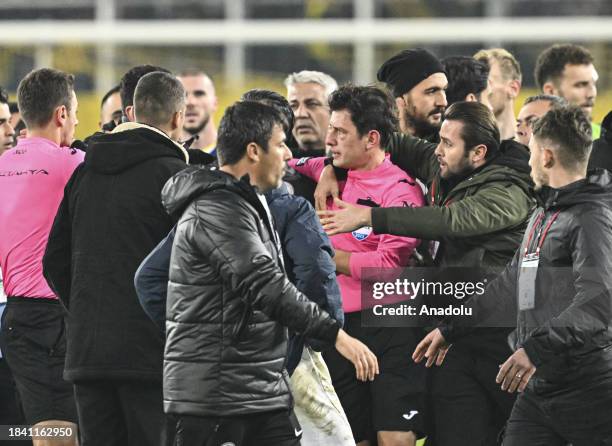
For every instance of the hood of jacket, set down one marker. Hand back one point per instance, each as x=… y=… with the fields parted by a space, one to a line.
x=595 y=188
x=184 y=187
x=130 y=144
x=514 y=155
x=510 y=164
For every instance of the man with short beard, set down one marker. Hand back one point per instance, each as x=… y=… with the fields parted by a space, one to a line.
x=418 y=83
x=567 y=70
x=201 y=106
x=556 y=290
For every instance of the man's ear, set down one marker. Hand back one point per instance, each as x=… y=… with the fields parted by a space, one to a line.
x=471 y=97
x=514 y=88
x=129 y=112
x=177 y=120
x=549 y=88
x=60 y=115
x=373 y=139
x=479 y=153
x=253 y=152
x=548 y=158
x=400 y=103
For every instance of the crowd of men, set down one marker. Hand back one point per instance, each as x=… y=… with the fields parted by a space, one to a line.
x=171 y=282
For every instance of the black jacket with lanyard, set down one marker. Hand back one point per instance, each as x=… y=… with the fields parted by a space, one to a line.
x=558 y=287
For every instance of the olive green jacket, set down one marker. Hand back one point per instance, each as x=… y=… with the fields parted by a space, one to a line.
x=480 y=221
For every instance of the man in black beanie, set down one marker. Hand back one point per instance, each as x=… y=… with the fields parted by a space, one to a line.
x=418 y=83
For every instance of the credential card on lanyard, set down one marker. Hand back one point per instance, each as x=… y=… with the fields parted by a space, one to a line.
x=527 y=281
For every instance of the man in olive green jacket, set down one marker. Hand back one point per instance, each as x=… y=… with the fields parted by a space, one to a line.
x=478 y=213
x=479 y=191
x=479 y=218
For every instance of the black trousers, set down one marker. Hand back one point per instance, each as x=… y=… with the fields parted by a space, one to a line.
x=34 y=347
x=122 y=413
x=468 y=407
x=580 y=416
x=10 y=405
x=278 y=428
x=10 y=410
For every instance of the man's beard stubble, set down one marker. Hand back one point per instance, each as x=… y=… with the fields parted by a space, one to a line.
x=197 y=129
x=422 y=127
x=460 y=174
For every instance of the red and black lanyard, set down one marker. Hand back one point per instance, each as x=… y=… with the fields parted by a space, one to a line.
x=541 y=234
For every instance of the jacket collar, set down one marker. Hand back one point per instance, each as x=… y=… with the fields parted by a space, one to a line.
x=139 y=125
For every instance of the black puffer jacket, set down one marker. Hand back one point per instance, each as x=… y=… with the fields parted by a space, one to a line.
x=568 y=334
x=229 y=302
x=111 y=217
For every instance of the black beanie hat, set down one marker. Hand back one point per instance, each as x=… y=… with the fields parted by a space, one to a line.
x=407 y=68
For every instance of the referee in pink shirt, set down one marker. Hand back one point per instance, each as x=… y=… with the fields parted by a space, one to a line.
x=32 y=179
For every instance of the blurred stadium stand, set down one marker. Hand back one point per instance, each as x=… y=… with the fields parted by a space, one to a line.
x=246 y=43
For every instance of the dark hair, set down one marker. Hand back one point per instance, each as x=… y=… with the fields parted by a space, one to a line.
x=280 y=103
x=128 y=83
x=568 y=128
x=555 y=101
x=243 y=123
x=4 y=97
x=370 y=107
x=108 y=94
x=157 y=97
x=479 y=125
x=551 y=62
x=41 y=92
x=273 y=99
x=465 y=75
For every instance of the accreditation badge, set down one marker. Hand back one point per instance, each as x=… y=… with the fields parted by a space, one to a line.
x=527 y=281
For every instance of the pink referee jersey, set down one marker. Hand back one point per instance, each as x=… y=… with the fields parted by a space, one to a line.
x=385 y=186
x=32 y=179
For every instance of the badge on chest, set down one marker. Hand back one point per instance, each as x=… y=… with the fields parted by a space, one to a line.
x=527 y=281
x=362 y=233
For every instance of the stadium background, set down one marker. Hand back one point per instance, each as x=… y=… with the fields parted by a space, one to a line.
x=255 y=43
x=245 y=44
